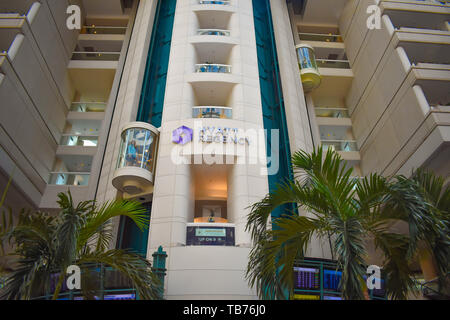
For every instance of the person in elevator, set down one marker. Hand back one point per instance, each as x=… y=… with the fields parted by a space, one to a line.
x=131 y=154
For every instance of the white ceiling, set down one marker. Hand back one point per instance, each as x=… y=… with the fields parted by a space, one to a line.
x=95 y=86
x=210 y=93
x=77 y=163
x=210 y=182
x=15 y=6
x=323 y=12
x=103 y=7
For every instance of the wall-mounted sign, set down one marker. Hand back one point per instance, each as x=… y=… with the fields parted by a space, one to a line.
x=222 y=135
x=210 y=232
x=209 y=236
x=184 y=135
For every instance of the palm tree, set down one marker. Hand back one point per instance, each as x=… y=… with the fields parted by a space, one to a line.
x=346 y=211
x=423 y=201
x=46 y=245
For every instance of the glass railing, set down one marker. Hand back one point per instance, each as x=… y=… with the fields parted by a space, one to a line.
x=88 y=107
x=320 y=37
x=106 y=284
x=212 y=112
x=96 y=56
x=337 y=64
x=332 y=113
x=79 y=140
x=69 y=178
x=216 y=68
x=340 y=145
x=213 y=32
x=214 y=2
x=103 y=30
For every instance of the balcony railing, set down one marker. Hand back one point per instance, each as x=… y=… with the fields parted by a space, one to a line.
x=210 y=234
x=107 y=284
x=216 y=68
x=337 y=64
x=212 y=112
x=69 y=178
x=320 y=37
x=214 y=2
x=340 y=145
x=88 y=107
x=96 y=56
x=321 y=280
x=213 y=32
x=79 y=140
x=103 y=30
x=332 y=113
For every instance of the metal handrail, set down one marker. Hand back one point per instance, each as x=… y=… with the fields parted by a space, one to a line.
x=79 y=135
x=223 y=2
x=320 y=34
x=426 y=286
x=212 y=107
x=224 y=32
x=331 y=108
x=95 y=52
x=104 y=27
x=220 y=67
x=76 y=173
x=325 y=140
x=331 y=60
x=85 y=102
x=102 y=290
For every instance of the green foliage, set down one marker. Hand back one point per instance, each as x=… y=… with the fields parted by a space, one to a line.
x=348 y=212
x=46 y=245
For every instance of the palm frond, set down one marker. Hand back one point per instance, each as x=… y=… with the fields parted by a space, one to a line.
x=261 y=271
x=351 y=255
x=6 y=226
x=399 y=277
x=98 y=222
x=405 y=202
x=291 y=239
x=71 y=221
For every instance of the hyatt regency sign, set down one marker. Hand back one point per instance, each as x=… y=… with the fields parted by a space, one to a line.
x=184 y=135
x=221 y=135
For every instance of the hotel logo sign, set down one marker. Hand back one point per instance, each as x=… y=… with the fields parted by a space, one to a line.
x=182 y=135
x=202 y=143
x=221 y=135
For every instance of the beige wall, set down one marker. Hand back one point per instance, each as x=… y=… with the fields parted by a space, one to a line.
x=390 y=113
x=34 y=95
